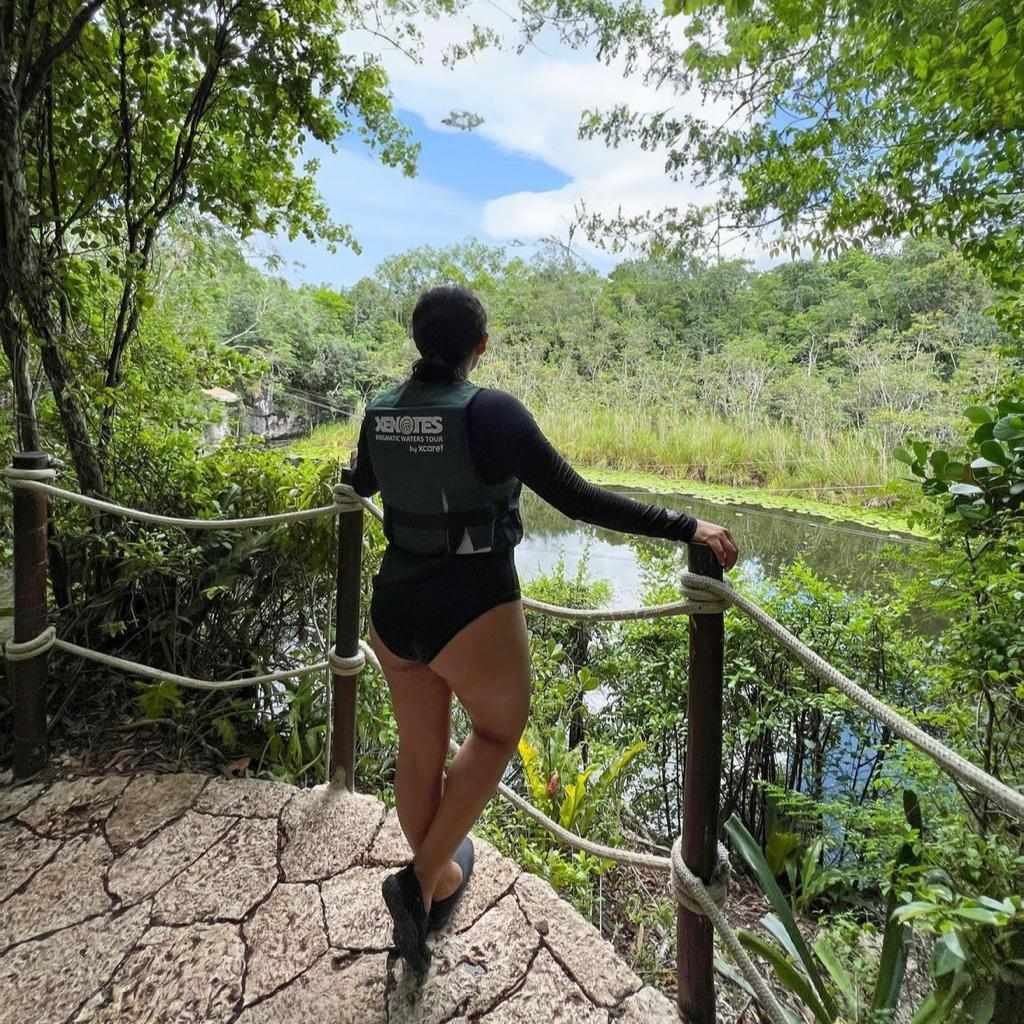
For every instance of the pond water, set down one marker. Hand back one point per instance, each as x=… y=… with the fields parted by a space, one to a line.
x=768 y=539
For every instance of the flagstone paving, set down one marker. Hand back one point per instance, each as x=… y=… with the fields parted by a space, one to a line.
x=175 y=899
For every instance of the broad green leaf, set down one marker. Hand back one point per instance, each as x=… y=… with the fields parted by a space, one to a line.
x=980 y=1003
x=751 y=853
x=916 y=908
x=530 y=757
x=948 y=956
x=1002 y=906
x=995 y=452
x=1009 y=428
x=840 y=976
x=938 y=1006
x=978 y=414
x=777 y=930
x=980 y=914
x=778 y=848
x=788 y=975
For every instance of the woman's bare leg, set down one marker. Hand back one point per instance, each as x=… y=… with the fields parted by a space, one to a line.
x=422 y=706
x=487 y=666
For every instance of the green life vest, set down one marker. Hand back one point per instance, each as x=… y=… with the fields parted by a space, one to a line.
x=435 y=502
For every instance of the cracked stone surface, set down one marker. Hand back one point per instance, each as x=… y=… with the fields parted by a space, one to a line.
x=246 y=798
x=45 y=980
x=548 y=994
x=356 y=915
x=390 y=847
x=148 y=803
x=576 y=943
x=75 y=806
x=67 y=890
x=493 y=876
x=326 y=831
x=14 y=798
x=228 y=880
x=284 y=937
x=175 y=976
x=335 y=989
x=22 y=854
x=469 y=973
x=645 y=1005
x=245 y=902
x=142 y=870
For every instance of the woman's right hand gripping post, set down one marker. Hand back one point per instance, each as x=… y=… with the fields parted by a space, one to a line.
x=719 y=539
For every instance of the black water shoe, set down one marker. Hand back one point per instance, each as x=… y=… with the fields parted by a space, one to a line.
x=405 y=902
x=442 y=910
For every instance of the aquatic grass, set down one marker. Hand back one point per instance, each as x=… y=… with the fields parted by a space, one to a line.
x=846 y=468
x=713 y=450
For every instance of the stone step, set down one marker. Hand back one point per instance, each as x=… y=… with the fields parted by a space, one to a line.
x=181 y=898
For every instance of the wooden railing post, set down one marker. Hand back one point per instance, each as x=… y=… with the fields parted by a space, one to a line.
x=346 y=642
x=31 y=747
x=694 y=934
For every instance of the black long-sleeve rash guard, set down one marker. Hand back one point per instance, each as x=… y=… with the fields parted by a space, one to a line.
x=505 y=441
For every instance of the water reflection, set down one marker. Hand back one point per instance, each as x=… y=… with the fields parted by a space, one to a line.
x=769 y=539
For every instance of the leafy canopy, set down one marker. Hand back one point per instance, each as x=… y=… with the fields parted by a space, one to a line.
x=840 y=121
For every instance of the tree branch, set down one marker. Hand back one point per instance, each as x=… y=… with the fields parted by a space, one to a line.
x=41 y=70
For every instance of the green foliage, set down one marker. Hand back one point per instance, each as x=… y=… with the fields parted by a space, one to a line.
x=859 y=121
x=561 y=787
x=984 y=486
x=979 y=943
x=801 y=377
x=802 y=968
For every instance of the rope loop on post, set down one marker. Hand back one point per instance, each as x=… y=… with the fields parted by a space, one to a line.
x=347 y=666
x=346 y=500
x=692 y=893
x=30 y=649
x=18 y=477
x=714 y=596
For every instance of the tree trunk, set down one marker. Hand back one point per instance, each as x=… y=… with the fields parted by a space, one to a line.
x=83 y=455
x=15 y=345
x=24 y=278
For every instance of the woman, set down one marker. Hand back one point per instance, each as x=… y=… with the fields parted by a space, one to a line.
x=446 y=616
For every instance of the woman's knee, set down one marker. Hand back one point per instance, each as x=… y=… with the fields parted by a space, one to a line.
x=504 y=730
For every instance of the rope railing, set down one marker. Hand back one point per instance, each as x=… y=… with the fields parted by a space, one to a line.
x=702 y=596
x=950 y=761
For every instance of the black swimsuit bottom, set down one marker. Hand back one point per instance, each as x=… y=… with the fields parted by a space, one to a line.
x=417 y=613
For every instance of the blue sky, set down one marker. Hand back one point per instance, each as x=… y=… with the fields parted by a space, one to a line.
x=458 y=173
x=473 y=166
x=516 y=179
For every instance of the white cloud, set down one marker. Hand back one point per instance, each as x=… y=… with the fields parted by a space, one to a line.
x=531 y=104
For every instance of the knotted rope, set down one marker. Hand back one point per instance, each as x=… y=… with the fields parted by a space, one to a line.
x=48 y=640
x=33 y=648
x=347 y=666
